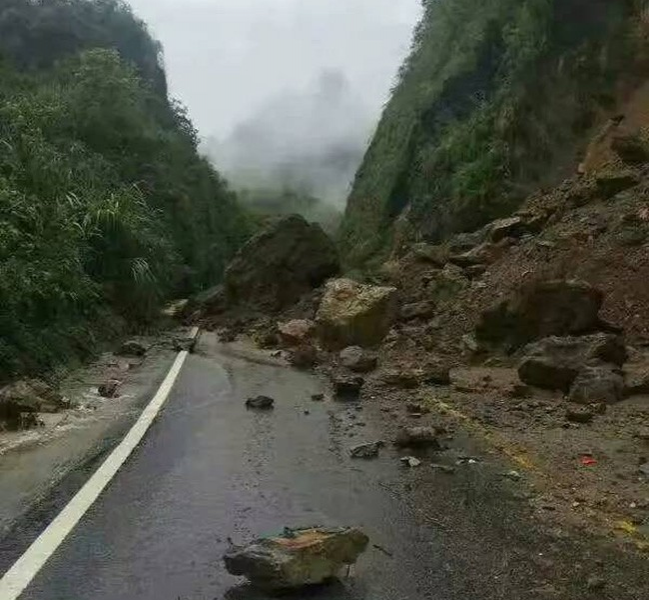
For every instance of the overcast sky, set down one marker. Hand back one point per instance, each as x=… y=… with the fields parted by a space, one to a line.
x=226 y=59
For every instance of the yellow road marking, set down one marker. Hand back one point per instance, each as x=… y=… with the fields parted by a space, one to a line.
x=524 y=459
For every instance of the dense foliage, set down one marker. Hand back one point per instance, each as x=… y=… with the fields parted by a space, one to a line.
x=494 y=99
x=106 y=208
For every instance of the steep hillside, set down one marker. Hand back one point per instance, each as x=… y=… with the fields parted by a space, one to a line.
x=106 y=208
x=497 y=99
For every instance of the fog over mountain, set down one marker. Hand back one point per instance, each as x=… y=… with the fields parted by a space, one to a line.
x=310 y=140
x=283 y=92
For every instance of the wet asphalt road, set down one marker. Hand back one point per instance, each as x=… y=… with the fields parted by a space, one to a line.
x=208 y=470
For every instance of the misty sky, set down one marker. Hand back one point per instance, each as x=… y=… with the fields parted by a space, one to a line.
x=227 y=58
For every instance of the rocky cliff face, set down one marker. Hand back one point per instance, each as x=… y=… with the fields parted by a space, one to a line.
x=498 y=99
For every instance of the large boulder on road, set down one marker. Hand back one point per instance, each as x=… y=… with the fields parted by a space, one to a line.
x=554 y=363
x=298 y=558
x=281 y=263
x=539 y=310
x=354 y=314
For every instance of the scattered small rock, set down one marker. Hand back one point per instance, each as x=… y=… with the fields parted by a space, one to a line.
x=470 y=344
x=417 y=437
x=109 y=388
x=436 y=374
x=296 y=332
x=304 y=356
x=417 y=310
x=357 y=359
x=184 y=344
x=348 y=386
x=318 y=397
x=368 y=450
x=596 y=583
x=580 y=414
x=402 y=377
x=512 y=475
x=411 y=461
x=417 y=408
x=260 y=403
x=447 y=469
x=519 y=391
x=227 y=335
x=132 y=348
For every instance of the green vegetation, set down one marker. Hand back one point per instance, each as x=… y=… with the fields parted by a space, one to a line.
x=494 y=101
x=106 y=208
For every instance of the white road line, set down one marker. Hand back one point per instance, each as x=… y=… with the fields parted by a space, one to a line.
x=21 y=574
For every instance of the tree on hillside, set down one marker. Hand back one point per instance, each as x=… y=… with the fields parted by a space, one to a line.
x=106 y=207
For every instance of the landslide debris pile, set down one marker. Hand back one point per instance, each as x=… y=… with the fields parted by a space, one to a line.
x=534 y=324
